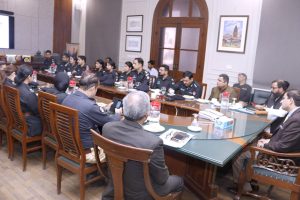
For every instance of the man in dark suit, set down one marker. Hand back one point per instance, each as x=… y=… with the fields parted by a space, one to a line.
x=130 y=132
x=285 y=140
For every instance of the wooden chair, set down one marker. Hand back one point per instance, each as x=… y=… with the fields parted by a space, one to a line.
x=19 y=129
x=70 y=153
x=238 y=92
x=204 y=89
x=272 y=168
x=48 y=138
x=117 y=155
x=4 y=120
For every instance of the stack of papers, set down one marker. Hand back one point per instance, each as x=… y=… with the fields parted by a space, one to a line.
x=175 y=138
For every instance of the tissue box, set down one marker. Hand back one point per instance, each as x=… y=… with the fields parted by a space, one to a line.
x=224 y=123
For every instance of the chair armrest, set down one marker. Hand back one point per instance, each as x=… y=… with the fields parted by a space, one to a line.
x=273 y=153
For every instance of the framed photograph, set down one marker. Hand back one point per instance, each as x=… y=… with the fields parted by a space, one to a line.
x=72 y=49
x=133 y=43
x=134 y=23
x=232 y=34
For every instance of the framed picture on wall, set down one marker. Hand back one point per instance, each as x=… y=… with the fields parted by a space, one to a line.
x=134 y=23
x=232 y=33
x=133 y=43
x=72 y=49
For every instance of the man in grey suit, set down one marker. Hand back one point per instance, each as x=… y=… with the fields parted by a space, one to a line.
x=136 y=106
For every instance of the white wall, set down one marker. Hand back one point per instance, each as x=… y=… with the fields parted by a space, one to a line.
x=137 y=7
x=33 y=25
x=215 y=62
x=79 y=24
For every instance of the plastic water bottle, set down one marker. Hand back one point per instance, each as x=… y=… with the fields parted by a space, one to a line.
x=225 y=100
x=155 y=111
x=34 y=76
x=130 y=82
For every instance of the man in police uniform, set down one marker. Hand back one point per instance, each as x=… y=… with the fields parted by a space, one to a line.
x=141 y=77
x=187 y=86
x=164 y=80
x=91 y=116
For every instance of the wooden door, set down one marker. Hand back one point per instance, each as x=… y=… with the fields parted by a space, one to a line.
x=179 y=36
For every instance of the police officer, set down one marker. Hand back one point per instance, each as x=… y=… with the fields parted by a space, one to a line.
x=81 y=67
x=110 y=76
x=29 y=100
x=164 y=80
x=141 y=77
x=187 y=86
x=127 y=72
x=91 y=116
x=65 y=64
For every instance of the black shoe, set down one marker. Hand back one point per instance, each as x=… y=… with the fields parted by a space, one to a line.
x=254 y=186
x=232 y=190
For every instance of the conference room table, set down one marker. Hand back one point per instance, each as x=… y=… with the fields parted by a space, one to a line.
x=212 y=148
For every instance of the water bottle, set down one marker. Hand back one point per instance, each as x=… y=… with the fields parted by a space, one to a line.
x=34 y=76
x=130 y=82
x=225 y=100
x=155 y=111
x=72 y=86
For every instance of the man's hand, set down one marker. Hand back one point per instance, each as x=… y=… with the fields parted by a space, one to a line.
x=262 y=142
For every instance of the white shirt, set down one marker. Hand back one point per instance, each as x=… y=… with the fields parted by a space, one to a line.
x=153 y=72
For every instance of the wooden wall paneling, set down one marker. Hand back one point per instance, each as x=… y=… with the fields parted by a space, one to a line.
x=62 y=25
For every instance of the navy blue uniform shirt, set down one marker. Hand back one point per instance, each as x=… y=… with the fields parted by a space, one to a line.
x=193 y=90
x=141 y=80
x=90 y=116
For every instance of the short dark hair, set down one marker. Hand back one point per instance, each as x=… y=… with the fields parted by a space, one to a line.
x=48 y=51
x=225 y=77
x=67 y=55
x=282 y=84
x=140 y=60
x=101 y=62
x=87 y=81
x=167 y=68
x=112 y=63
x=23 y=72
x=188 y=74
x=152 y=62
x=61 y=81
x=129 y=64
x=109 y=58
x=82 y=58
x=244 y=75
x=295 y=95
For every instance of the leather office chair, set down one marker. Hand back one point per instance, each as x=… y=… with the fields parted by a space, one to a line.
x=152 y=81
x=260 y=96
x=4 y=120
x=48 y=138
x=117 y=155
x=19 y=128
x=70 y=154
x=276 y=169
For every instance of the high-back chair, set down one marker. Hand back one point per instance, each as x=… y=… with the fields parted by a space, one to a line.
x=118 y=155
x=272 y=168
x=260 y=96
x=19 y=129
x=48 y=138
x=4 y=120
x=70 y=154
x=204 y=89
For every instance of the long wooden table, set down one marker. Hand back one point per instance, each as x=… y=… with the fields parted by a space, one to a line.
x=197 y=162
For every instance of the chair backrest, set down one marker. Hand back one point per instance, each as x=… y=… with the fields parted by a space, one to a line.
x=238 y=93
x=117 y=155
x=3 y=111
x=260 y=96
x=152 y=81
x=65 y=126
x=44 y=100
x=204 y=88
x=12 y=99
